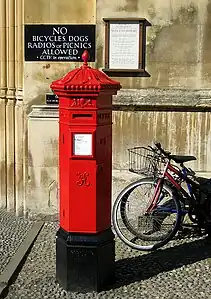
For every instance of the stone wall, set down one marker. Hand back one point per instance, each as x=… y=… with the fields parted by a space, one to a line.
x=39 y=75
x=178 y=41
x=181 y=132
x=173 y=105
x=42 y=156
x=12 y=110
x=43 y=160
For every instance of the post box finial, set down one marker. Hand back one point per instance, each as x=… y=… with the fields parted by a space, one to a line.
x=85 y=57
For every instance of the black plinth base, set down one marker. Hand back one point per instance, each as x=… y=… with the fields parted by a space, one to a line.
x=85 y=262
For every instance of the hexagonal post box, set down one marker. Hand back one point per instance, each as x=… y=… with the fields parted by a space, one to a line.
x=85 y=252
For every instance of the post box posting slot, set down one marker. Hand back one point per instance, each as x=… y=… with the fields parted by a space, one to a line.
x=87 y=115
x=82 y=117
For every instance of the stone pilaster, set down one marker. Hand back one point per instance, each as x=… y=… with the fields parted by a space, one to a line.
x=19 y=151
x=3 y=90
x=19 y=109
x=3 y=189
x=10 y=108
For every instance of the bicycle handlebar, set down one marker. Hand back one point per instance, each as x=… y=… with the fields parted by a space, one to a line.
x=168 y=155
x=165 y=153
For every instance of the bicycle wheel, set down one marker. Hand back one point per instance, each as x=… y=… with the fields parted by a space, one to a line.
x=144 y=230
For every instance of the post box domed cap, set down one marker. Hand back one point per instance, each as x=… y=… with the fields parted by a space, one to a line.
x=86 y=79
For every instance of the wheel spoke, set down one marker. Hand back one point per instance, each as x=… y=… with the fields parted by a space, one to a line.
x=141 y=230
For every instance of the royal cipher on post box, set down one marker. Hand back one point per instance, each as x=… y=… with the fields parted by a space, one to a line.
x=85 y=242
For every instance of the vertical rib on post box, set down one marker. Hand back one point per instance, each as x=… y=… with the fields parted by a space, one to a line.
x=85 y=252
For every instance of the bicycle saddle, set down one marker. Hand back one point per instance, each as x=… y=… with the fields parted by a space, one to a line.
x=182 y=159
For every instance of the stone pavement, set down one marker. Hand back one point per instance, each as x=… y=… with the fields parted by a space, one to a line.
x=181 y=269
x=13 y=231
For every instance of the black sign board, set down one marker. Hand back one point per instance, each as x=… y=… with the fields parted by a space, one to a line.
x=59 y=42
x=52 y=99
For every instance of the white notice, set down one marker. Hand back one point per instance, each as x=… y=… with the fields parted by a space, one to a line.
x=124 y=45
x=82 y=144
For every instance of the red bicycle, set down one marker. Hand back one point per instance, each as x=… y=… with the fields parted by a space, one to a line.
x=148 y=213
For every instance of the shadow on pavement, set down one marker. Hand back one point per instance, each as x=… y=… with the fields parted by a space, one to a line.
x=142 y=267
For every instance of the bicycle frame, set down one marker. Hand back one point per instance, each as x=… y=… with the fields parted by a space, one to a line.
x=182 y=175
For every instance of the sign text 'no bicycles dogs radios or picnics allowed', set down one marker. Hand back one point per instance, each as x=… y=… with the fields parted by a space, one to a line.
x=59 y=42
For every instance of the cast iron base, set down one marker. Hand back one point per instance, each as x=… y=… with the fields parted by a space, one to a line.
x=85 y=262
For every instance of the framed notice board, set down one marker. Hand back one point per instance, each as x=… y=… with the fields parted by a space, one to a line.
x=59 y=42
x=125 y=46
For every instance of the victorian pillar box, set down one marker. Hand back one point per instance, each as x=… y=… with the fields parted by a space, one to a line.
x=85 y=243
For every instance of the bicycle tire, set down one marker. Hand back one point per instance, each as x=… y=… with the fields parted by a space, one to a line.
x=157 y=241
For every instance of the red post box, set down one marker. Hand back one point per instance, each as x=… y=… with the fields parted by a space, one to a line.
x=85 y=252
